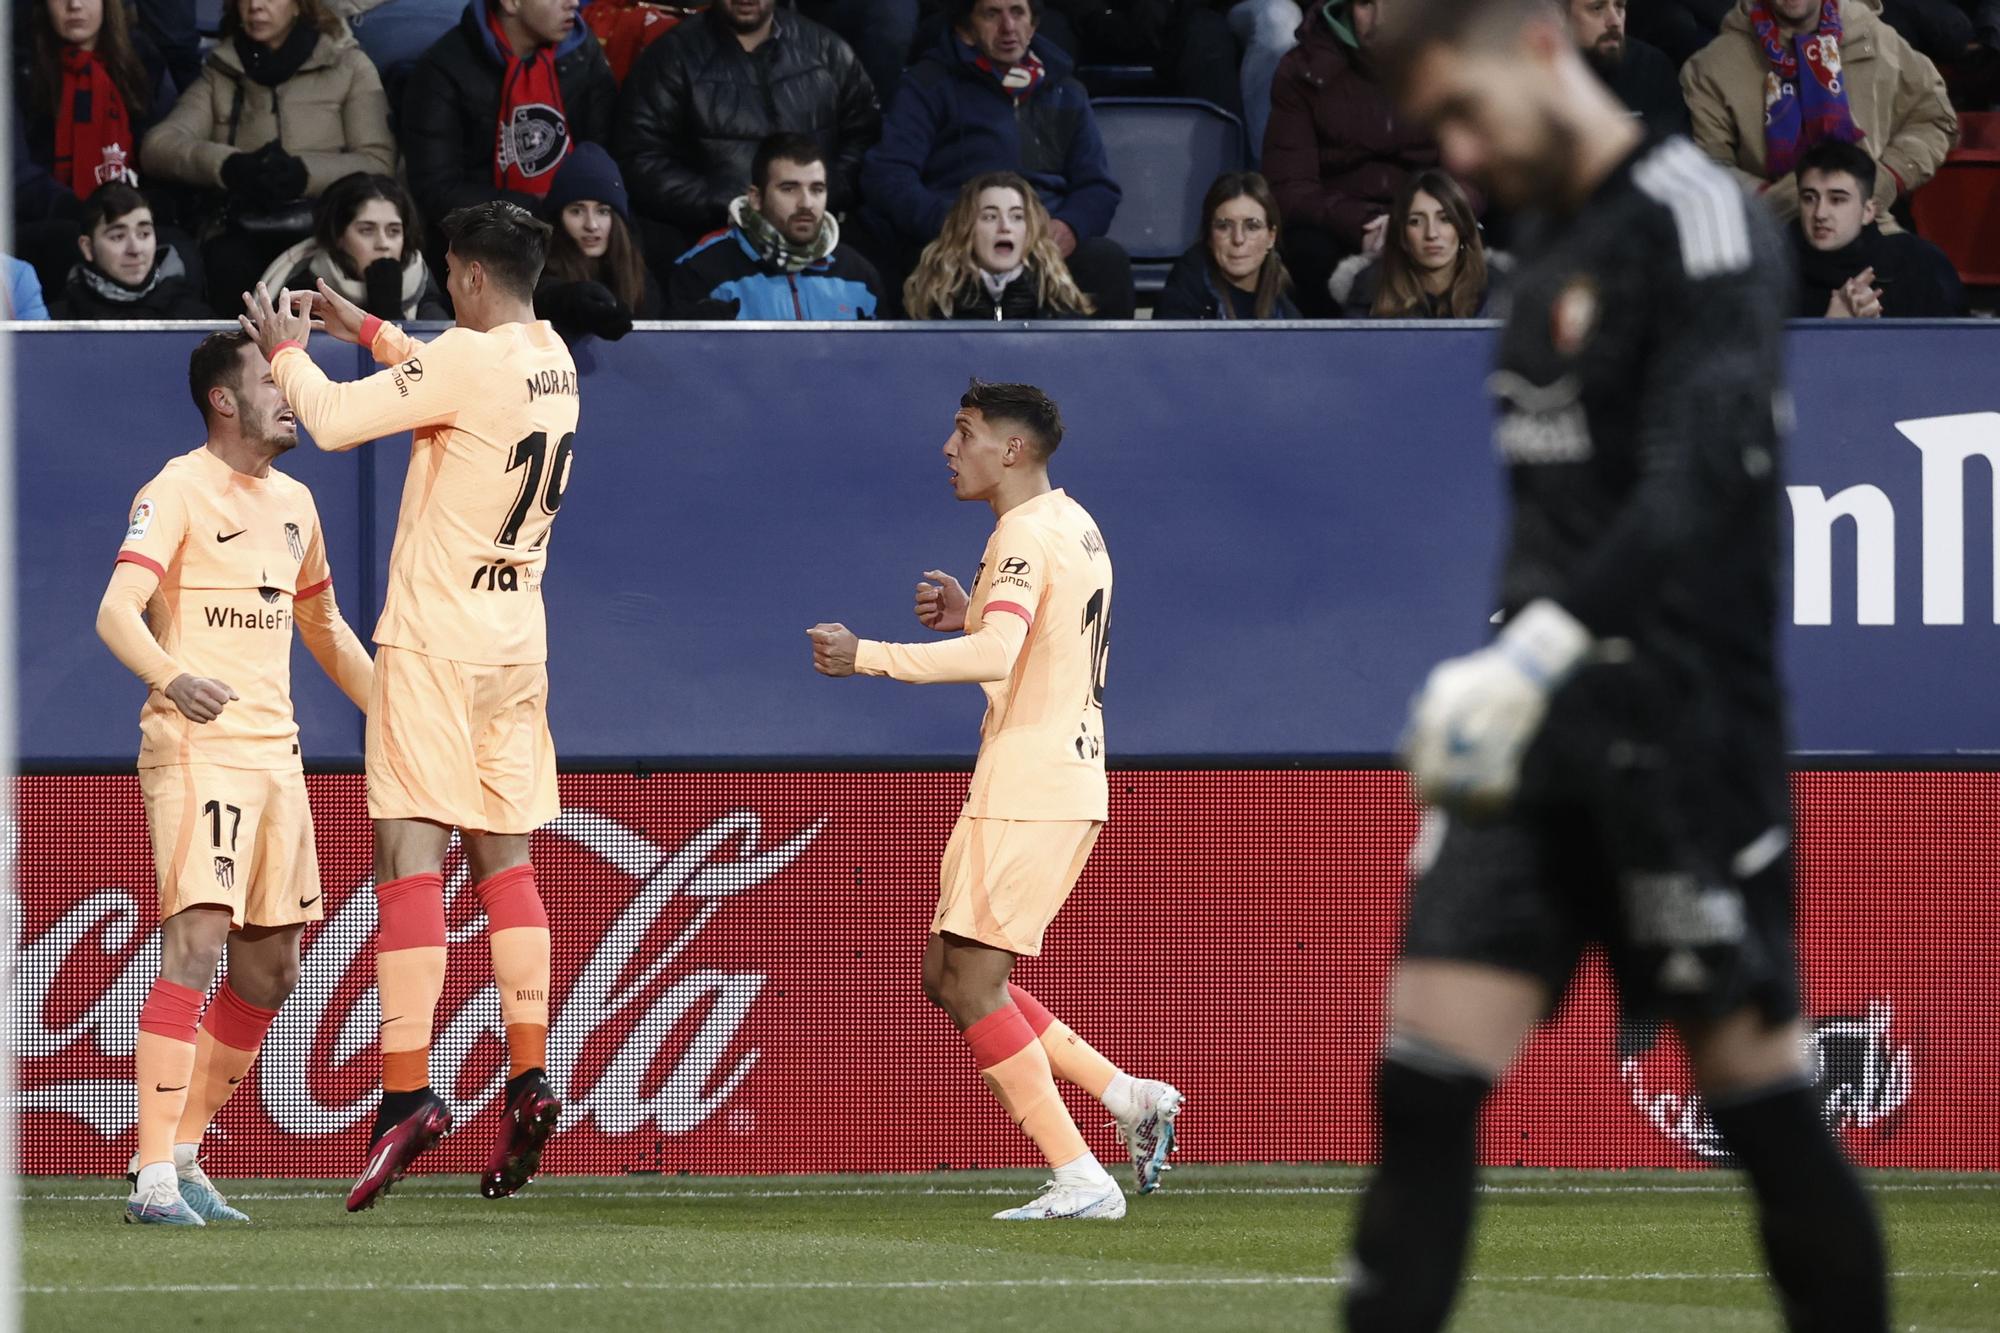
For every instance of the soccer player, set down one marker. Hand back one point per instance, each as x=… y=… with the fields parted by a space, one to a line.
x=221 y=554
x=1612 y=767
x=458 y=733
x=1037 y=627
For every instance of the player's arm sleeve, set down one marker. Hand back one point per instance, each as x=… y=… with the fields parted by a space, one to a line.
x=121 y=623
x=1013 y=597
x=1705 y=412
x=986 y=655
x=328 y=637
x=423 y=391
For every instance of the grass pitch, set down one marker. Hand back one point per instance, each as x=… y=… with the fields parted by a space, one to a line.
x=1220 y=1248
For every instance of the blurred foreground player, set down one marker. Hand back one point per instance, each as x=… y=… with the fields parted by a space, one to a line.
x=221 y=555
x=1612 y=767
x=458 y=732
x=1036 y=633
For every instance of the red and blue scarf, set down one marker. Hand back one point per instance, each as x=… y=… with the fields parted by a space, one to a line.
x=1018 y=81
x=1802 y=108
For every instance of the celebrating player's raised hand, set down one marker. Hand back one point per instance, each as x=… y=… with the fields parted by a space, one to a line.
x=273 y=321
x=199 y=698
x=941 y=602
x=833 y=649
x=340 y=317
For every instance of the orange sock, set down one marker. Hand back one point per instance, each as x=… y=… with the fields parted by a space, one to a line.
x=1073 y=1059
x=518 y=932
x=163 y=1065
x=232 y=1031
x=1016 y=1068
x=409 y=974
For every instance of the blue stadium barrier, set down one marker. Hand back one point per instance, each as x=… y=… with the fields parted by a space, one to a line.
x=1303 y=519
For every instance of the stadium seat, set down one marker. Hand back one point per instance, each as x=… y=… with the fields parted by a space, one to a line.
x=1164 y=152
x=1959 y=209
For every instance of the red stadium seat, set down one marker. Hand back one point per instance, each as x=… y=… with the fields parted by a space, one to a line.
x=1959 y=209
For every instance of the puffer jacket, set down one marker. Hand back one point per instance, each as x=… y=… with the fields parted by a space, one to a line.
x=451 y=111
x=725 y=271
x=697 y=104
x=950 y=121
x=1019 y=299
x=1193 y=291
x=304 y=264
x=1335 y=151
x=332 y=115
x=1896 y=96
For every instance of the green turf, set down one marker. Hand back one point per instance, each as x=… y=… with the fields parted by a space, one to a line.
x=1220 y=1248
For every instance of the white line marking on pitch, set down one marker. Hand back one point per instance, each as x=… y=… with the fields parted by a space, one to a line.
x=930 y=1284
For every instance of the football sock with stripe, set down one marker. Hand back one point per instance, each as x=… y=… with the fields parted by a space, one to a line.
x=1016 y=1068
x=163 y=1065
x=232 y=1032
x=409 y=972
x=1073 y=1059
x=518 y=932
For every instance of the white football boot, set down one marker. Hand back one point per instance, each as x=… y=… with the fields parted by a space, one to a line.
x=1148 y=1131
x=156 y=1198
x=1060 y=1201
x=198 y=1190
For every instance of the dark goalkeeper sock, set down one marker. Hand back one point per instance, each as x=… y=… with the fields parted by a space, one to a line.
x=1820 y=1234
x=1409 y=1248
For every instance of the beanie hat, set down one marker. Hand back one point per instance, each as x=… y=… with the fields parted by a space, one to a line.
x=587 y=173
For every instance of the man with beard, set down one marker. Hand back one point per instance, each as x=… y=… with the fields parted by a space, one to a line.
x=1642 y=76
x=780 y=256
x=221 y=554
x=702 y=98
x=1848 y=267
x=1611 y=769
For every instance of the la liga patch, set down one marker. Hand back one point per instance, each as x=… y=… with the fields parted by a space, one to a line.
x=142 y=520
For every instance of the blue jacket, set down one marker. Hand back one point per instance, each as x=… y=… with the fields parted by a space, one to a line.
x=24 y=291
x=725 y=268
x=950 y=121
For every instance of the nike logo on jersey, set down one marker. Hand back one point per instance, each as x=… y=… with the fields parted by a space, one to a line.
x=232 y=536
x=238 y=1079
x=308 y=902
x=161 y=1087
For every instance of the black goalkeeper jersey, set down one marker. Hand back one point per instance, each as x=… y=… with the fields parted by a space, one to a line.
x=1641 y=408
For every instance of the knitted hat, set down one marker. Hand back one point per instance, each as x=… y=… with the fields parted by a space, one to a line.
x=587 y=173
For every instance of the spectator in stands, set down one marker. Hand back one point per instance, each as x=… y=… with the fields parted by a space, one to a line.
x=781 y=256
x=1640 y=73
x=24 y=291
x=1337 y=152
x=1679 y=28
x=286 y=105
x=1433 y=263
x=1874 y=90
x=1848 y=269
x=1233 y=271
x=495 y=106
x=995 y=258
x=595 y=280
x=881 y=32
x=1265 y=29
x=126 y=273
x=991 y=96
x=85 y=93
x=365 y=246
x=703 y=97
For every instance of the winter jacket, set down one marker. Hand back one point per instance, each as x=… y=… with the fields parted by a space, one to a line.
x=451 y=111
x=1357 y=281
x=167 y=293
x=697 y=104
x=1646 y=83
x=1335 y=151
x=24 y=291
x=1019 y=299
x=1194 y=292
x=304 y=264
x=1896 y=97
x=332 y=115
x=951 y=121
x=1916 y=278
x=725 y=268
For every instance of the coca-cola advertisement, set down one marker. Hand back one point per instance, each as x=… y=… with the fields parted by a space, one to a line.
x=736 y=980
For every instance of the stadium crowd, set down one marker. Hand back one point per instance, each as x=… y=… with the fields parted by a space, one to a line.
x=857 y=159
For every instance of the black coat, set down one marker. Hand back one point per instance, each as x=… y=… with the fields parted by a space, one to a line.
x=697 y=104
x=1019 y=299
x=1650 y=87
x=172 y=295
x=1916 y=278
x=451 y=111
x=1192 y=291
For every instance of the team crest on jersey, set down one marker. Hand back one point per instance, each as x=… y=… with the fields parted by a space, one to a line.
x=534 y=139
x=1573 y=316
x=293 y=542
x=225 y=872
x=141 y=522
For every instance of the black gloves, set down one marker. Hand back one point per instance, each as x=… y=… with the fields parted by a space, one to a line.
x=384 y=281
x=269 y=175
x=578 y=308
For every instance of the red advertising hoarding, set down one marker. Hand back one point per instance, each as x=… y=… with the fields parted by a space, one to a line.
x=736 y=980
